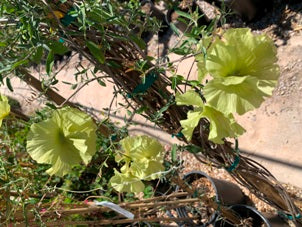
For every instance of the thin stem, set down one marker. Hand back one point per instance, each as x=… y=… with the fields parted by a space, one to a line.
x=171 y=62
x=185 y=89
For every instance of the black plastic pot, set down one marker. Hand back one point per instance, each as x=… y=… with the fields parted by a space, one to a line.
x=278 y=221
x=244 y=211
x=226 y=193
x=275 y=220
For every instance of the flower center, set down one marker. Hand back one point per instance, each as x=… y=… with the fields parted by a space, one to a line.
x=61 y=137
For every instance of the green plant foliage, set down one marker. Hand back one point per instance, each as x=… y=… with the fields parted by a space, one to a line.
x=221 y=126
x=4 y=108
x=143 y=158
x=203 y=46
x=244 y=68
x=96 y=51
x=64 y=140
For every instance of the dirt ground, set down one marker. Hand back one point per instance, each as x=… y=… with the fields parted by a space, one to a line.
x=274 y=130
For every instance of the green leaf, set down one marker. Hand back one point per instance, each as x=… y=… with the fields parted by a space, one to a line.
x=4 y=69
x=9 y=85
x=74 y=86
x=64 y=140
x=183 y=14
x=174 y=29
x=148 y=192
x=193 y=149
x=49 y=62
x=114 y=64
x=36 y=58
x=160 y=112
x=181 y=50
x=96 y=51
x=18 y=63
x=57 y=47
x=141 y=110
x=117 y=36
x=138 y=41
x=174 y=82
x=101 y=82
x=54 y=82
x=129 y=112
x=194 y=83
x=52 y=106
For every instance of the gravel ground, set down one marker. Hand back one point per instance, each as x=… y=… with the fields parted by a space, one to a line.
x=192 y=164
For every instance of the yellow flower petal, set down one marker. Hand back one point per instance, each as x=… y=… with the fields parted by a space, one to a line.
x=126 y=182
x=4 y=108
x=143 y=158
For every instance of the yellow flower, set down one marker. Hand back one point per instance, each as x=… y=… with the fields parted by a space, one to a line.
x=64 y=140
x=221 y=125
x=143 y=157
x=4 y=108
x=244 y=68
